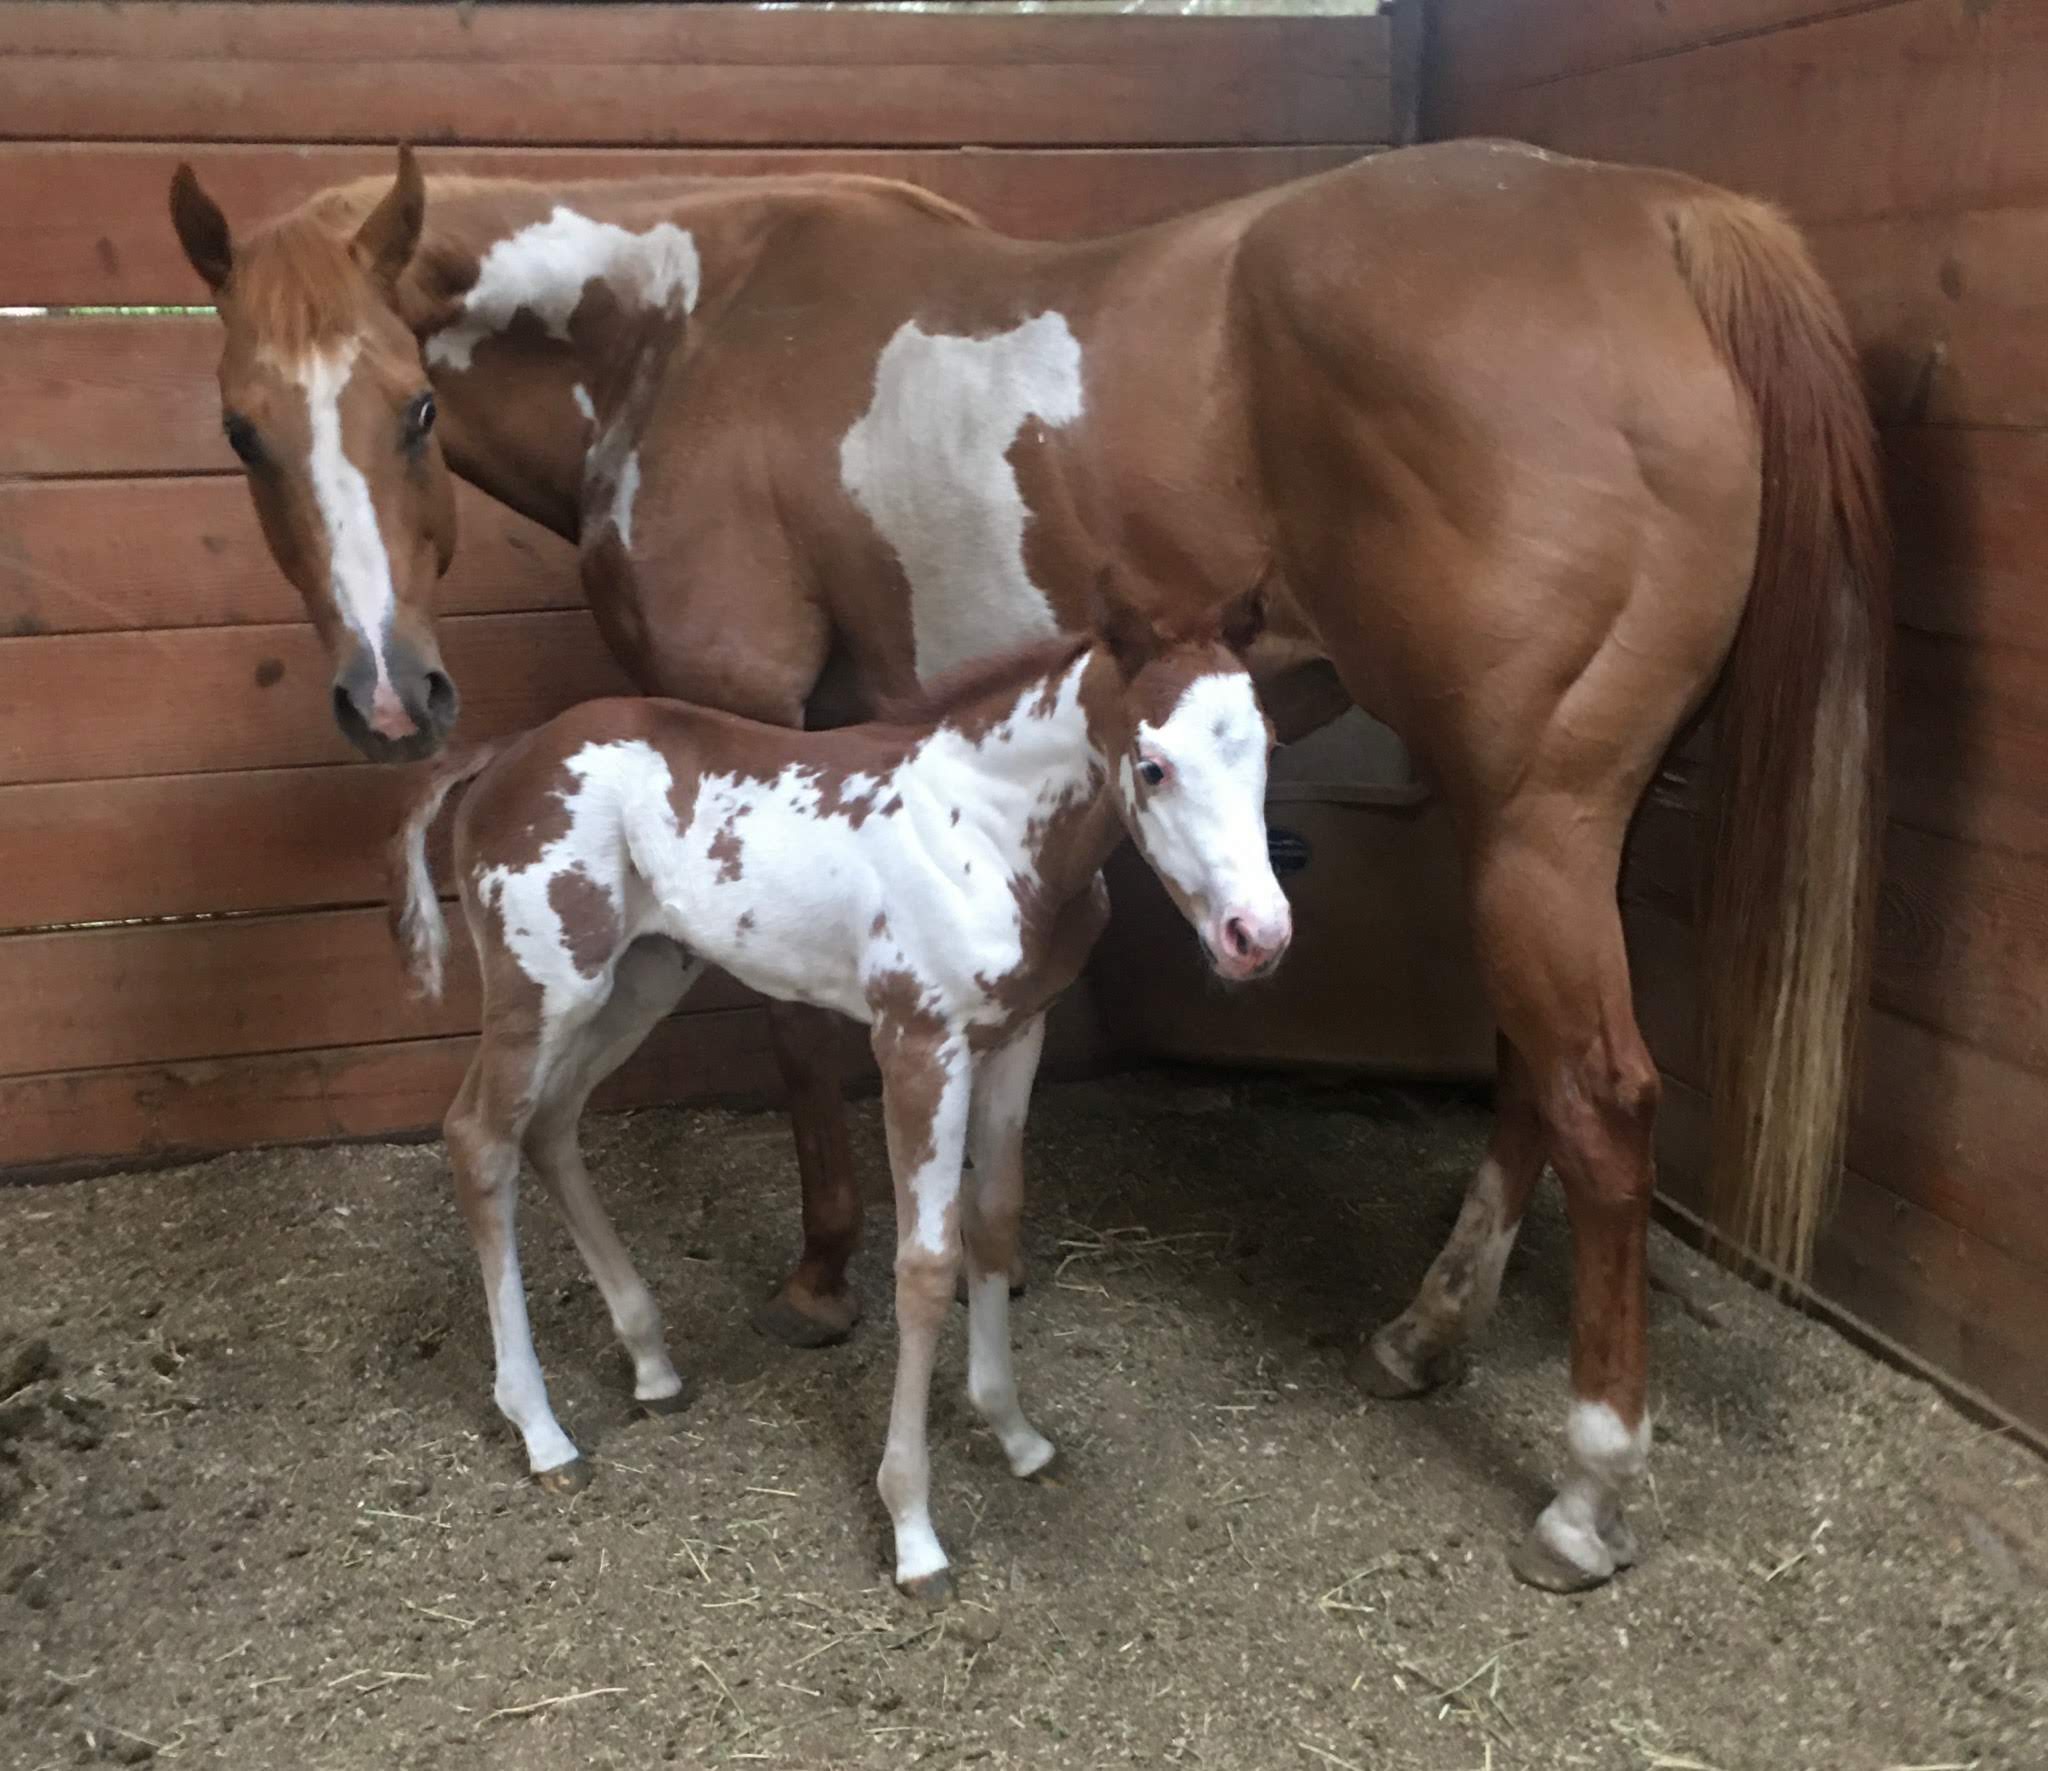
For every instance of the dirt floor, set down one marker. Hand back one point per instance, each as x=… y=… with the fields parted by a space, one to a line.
x=256 y=1508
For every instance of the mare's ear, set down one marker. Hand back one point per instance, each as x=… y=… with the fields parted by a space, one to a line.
x=1127 y=635
x=202 y=229
x=390 y=233
x=1242 y=620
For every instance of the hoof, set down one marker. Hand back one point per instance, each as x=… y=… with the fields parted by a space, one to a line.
x=934 y=1591
x=1537 y=1564
x=803 y=1319
x=960 y=1284
x=1380 y=1372
x=565 y=1479
x=1050 y=1474
x=666 y=1404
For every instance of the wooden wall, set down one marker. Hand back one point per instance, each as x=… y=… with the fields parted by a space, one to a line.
x=168 y=772
x=1910 y=137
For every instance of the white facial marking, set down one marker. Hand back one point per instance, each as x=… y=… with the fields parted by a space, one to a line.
x=544 y=269
x=1204 y=829
x=929 y=464
x=358 y=564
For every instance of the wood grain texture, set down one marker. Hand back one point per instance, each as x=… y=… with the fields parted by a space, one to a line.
x=84 y=556
x=86 y=223
x=671 y=75
x=1913 y=106
x=106 y=394
x=79 y=707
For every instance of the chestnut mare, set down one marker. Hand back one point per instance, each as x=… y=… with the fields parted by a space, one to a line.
x=1528 y=454
x=939 y=882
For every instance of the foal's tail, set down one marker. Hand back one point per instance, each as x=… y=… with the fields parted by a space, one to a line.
x=1794 y=813
x=417 y=924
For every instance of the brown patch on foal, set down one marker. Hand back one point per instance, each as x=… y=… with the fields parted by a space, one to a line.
x=908 y=1037
x=590 y=924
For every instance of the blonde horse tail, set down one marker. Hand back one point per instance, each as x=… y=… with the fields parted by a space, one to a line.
x=1794 y=810
x=417 y=925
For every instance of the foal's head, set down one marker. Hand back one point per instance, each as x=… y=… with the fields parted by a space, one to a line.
x=1188 y=744
x=325 y=399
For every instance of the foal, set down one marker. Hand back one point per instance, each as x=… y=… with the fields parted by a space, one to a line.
x=938 y=881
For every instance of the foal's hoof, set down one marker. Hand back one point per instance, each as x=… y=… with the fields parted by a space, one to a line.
x=808 y=1319
x=1382 y=1370
x=666 y=1404
x=1050 y=1474
x=565 y=1479
x=1537 y=1562
x=934 y=1591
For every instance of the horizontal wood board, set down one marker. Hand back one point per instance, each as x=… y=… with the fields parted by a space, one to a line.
x=1906 y=136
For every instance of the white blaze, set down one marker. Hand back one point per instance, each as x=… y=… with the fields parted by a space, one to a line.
x=929 y=464
x=358 y=564
x=544 y=269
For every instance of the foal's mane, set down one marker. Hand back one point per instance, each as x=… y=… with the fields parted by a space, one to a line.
x=981 y=679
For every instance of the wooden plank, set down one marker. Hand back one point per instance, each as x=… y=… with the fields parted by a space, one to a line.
x=1952 y=1129
x=84 y=556
x=197 y=845
x=169 y=992
x=85 y=223
x=1486 y=44
x=667 y=75
x=1950 y=311
x=1811 y=115
x=1968 y=749
x=111 y=395
x=1976 y=1314
x=1967 y=506
x=80 y=707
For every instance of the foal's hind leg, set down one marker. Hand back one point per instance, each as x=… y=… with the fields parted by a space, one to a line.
x=1551 y=942
x=1415 y=1352
x=650 y=979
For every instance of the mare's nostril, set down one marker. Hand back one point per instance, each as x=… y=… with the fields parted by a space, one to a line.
x=1238 y=936
x=442 y=700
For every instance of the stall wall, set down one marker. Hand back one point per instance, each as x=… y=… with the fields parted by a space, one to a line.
x=1910 y=138
x=191 y=950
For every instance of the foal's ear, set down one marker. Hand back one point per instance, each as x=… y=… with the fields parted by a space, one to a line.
x=202 y=229
x=390 y=233
x=1242 y=620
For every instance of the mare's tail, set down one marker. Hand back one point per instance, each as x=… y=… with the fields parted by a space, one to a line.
x=417 y=924
x=1790 y=840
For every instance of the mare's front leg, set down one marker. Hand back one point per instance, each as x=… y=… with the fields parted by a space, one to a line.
x=816 y=1306
x=994 y=1209
x=927 y=1078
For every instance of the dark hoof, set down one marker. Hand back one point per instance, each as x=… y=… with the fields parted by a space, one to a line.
x=802 y=1319
x=666 y=1404
x=933 y=1591
x=1538 y=1565
x=1395 y=1380
x=565 y=1479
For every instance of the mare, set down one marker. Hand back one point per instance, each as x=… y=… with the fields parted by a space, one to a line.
x=1530 y=455
x=939 y=881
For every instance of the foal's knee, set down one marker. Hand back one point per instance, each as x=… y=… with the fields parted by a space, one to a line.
x=1602 y=1118
x=924 y=1282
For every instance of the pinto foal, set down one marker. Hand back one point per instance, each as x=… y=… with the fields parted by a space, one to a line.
x=938 y=881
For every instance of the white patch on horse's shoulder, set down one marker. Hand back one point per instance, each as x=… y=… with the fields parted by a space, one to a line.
x=359 y=565
x=929 y=464
x=584 y=403
x=544 y=269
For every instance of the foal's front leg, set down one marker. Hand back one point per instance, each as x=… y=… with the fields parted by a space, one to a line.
x=926 y=1084
x=994 y=1208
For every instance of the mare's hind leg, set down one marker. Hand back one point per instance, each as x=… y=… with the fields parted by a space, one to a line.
x=815 y=1306
x=1417 y=1350
x=1550 y=939
x=483 y=1130
x=650 y=979
x=994 y=1204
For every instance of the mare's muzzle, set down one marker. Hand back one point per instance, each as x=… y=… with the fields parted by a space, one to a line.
x=406 y=715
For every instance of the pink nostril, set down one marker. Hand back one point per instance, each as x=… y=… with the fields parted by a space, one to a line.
x=1238 y=936
x=388 y=717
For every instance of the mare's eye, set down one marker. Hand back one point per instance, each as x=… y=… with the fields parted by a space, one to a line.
x=1153 y=774
x=242 y=438
x=419 y=419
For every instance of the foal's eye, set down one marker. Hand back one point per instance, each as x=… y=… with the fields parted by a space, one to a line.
x=242 y=438
x=419 y=419
x=1152 y=773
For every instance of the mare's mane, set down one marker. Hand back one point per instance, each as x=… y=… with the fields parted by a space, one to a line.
x=981 y=679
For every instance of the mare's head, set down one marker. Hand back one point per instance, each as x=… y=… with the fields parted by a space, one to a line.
x=324 y=397
x=1187 y=744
